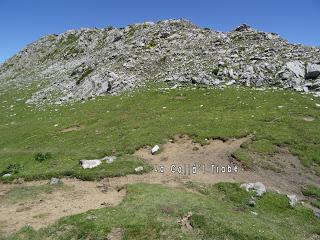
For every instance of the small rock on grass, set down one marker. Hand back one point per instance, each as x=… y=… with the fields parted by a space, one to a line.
x=7 y=175
x=54 y=181
x=293 y=199
x=109 y=159
x=254 y=213
x=155 y=149
x=88 y=164
x=185 y=222
x=252 y=202
x=138 y=169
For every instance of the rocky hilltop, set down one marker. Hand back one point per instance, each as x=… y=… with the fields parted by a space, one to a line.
x=81 y=64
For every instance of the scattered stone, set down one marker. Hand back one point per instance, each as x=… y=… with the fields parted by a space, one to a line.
x=252 y=202
x=293 y=199
x=242 y=27
x=230 y=83
x=138 y=169
x=18 y=181
x=317 y=105
x=185 y=222
x=155 y=149
x=109 y=159
x=257 y=187
x=7 y=175
x=317 y=213
x=254 y=213
x=91 y=218
x=103 y=187
x=88 y=164
x=308 y=119
x=54 y=181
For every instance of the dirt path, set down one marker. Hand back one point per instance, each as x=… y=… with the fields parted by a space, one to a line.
x=80 y=196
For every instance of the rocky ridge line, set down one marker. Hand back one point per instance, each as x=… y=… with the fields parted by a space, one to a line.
x=80 y=64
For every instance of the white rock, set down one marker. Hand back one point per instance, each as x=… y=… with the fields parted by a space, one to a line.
x=297 y=67
x=109 y=159
x=258 y=187
x=87 y=164
x=230 y=83
x=254 y=213
x=138 y=169
x=7 y=175
x=313 y=71
x=155 y=149
x=293 y=199
x=54 y=181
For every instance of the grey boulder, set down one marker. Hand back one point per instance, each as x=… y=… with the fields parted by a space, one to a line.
x=88 y=164
x=312 y=71
x=293 y=199
x=257 y=187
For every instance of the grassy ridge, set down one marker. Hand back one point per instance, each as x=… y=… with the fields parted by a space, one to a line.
x=118 y=125
x=218 y=212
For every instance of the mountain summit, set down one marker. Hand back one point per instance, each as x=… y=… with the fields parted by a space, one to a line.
x=80 y=64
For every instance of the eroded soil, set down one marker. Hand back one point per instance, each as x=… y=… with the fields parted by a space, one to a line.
x=81 y=196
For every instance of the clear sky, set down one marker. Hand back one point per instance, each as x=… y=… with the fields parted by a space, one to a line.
x=22 y=22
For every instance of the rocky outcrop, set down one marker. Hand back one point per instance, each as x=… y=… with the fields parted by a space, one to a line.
x=80 y=64
x=312 y=71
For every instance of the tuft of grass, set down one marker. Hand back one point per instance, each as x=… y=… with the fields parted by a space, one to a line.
x=151 y=44
x=212 y=217
x=263 y=146
x=243 y=156
x=12 y=168
x=311 y=191
x=215 y=71
x=84 y=75
x=40 y=157
x=316 y=203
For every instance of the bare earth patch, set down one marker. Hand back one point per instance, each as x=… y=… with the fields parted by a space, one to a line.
x=181 y=152
x=76 y=127
x=79 y=197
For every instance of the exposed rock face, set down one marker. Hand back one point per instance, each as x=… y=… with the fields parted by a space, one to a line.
x=80 y=64
x=313 y=71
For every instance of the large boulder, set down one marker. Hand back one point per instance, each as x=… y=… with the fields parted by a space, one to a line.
x=315 y=85
x=312 y=71
x=292 y=74
x=258 y=187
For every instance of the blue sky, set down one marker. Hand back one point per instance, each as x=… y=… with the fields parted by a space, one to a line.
x=22 y=22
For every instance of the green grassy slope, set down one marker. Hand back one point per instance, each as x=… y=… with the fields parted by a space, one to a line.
x=119 y=125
